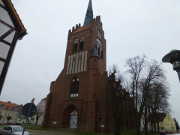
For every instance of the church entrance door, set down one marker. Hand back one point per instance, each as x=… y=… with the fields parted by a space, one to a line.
x=73 y=120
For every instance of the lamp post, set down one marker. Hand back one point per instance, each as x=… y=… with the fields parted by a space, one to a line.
x=173 y=57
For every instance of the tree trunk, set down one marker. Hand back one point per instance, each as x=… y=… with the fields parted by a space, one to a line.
x=154 y=126
x=139 y=120
x=139 y=125
x=37 y=118
x=158 y=126
x=146 y=122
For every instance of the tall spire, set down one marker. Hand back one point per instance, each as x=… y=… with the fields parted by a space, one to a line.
x=89 y=14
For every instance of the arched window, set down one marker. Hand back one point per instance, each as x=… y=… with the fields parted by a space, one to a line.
x=99 y=48
x=74 y=87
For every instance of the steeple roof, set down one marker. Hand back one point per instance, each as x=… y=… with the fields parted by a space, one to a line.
x=89 y=14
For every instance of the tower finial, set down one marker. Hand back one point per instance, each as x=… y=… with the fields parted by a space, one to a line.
x=89 y=14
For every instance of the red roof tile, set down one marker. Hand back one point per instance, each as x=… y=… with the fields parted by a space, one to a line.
x=81 y=29
x=8 y=104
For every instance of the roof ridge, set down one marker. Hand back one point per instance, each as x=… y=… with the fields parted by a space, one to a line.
x=16 y=18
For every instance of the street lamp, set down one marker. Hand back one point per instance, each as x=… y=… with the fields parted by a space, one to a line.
x=174 y=58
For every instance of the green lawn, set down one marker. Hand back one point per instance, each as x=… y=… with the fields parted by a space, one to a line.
x=35 y=128
x=122 y=133
x=75 y=132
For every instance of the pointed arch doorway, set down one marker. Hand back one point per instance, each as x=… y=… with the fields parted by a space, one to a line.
x=73 y=119
x=70 y=117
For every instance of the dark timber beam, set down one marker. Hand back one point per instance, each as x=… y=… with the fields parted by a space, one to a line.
x=3 y=60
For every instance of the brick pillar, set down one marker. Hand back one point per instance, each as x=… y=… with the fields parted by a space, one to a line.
x=91 y=115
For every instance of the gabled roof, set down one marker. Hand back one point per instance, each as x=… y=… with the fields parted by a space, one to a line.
x=15 y=18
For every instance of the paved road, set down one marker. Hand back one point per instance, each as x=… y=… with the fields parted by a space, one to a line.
x=39 y=132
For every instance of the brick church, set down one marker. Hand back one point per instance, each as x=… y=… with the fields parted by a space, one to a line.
x=77 y=97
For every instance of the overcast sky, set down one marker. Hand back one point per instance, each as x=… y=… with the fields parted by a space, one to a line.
x=132 y=27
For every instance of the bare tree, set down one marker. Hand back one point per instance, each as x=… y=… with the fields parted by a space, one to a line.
x=156 y=103
x=148 y=87
x=144 y=77
x=39 y=113
x=136 y=66
x=153 y=91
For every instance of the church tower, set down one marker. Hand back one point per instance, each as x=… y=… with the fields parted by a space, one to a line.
x=77 y=96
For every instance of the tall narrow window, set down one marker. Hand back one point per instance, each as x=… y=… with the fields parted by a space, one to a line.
x=99 y=48
x=101 y=54
x=74 y=87
x=81 y=45
x=75 y=45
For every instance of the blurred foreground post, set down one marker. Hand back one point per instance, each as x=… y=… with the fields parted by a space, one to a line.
x=28 y=110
